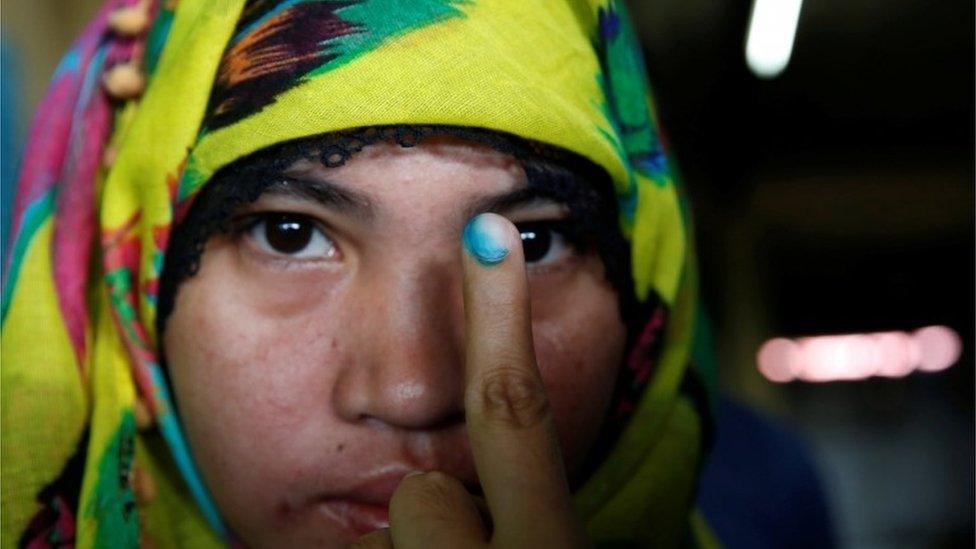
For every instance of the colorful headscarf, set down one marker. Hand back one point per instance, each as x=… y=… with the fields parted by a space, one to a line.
x=89 y=430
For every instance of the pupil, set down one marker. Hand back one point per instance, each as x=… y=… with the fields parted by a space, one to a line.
x=536 y=241
x=288 y=234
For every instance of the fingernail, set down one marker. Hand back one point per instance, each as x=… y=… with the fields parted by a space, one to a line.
x=413 y=474
x=485 y=238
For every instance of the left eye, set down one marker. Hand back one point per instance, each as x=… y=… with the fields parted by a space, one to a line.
x=291 y=235
x=542 y=243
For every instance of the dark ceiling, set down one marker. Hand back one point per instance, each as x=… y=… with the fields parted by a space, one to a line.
x=846 y=182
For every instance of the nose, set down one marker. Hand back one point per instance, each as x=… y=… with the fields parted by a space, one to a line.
x=406 y=369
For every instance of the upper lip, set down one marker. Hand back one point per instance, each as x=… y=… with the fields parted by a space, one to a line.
x=374 y=488
x=377 y=486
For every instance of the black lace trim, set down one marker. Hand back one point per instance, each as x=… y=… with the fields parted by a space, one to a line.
x=563 y=176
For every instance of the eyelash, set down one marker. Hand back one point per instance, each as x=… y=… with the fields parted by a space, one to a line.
x=564 y=233
x=250 y=227
x=550 y=234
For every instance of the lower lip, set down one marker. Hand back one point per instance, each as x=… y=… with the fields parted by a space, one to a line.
x=358 y=517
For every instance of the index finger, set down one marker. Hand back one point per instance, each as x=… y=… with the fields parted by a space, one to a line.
x=509 y=421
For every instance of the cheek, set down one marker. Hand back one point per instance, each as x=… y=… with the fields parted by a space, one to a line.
x=252 y=372
x=579 y=341
x=225 y=340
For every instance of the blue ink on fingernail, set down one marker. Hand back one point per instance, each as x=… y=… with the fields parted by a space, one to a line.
x=484 y=238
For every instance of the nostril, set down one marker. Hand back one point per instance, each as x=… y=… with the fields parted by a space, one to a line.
x=449 y=421
x=431 y=422
x=405 y=395
x=419 y=402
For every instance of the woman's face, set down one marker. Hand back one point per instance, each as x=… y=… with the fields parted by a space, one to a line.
x=318 y=354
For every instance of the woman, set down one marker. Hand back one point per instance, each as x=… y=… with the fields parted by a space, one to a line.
x=277 y=322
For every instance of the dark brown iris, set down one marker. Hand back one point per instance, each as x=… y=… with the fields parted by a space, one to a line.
x=536 y=240
x=287 y=233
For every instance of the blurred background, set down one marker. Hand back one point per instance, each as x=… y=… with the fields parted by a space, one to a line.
x=834 y=197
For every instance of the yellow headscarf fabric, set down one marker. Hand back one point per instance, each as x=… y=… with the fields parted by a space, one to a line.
x=81 y=374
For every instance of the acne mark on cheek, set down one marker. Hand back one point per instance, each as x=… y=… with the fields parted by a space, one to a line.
x=335 y=344
x=340 y=448
x=283 y=511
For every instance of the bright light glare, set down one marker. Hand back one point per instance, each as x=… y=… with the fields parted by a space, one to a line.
x=859 y=356
x=772 y=28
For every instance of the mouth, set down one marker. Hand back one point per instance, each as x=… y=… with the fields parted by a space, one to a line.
x=356 y=516
x=365 y=507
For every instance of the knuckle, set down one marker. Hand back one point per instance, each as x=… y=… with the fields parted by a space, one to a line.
x=513 y=398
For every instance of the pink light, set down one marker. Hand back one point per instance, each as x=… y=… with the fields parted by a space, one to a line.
x=896 y=354
x=859 y=356
x=939 y=347
x=777 y=358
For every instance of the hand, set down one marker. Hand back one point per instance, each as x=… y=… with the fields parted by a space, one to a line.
x=508 y=419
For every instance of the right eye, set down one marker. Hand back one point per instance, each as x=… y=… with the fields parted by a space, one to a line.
x=544 y=242
x=291 y=235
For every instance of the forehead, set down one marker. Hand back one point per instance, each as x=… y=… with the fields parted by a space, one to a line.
x=437 y=171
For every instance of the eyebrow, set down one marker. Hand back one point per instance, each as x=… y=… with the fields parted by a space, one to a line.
x=357 y=204
x=326 y=193
x=521 y=197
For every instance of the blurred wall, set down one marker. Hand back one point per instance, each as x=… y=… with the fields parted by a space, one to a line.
x=34 y=34
x=39 y=33
x=838 y=198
